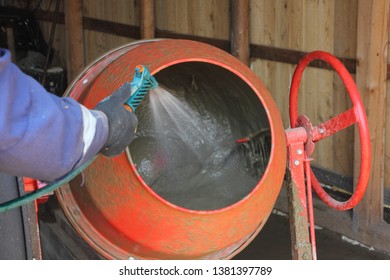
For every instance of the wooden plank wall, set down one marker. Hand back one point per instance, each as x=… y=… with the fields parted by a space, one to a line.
x=371 y=79
x=301 y=25
x=306 y=26
x=291 y=26
x=121 y=11
x=387 y=128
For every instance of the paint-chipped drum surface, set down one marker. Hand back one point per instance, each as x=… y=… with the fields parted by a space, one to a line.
x=122 y=217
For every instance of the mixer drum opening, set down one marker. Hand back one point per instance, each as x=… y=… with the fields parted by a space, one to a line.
x=187 y=149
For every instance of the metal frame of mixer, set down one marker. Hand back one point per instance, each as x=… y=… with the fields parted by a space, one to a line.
x=301 y=139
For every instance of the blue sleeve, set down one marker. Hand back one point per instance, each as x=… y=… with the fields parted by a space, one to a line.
x=43 y=136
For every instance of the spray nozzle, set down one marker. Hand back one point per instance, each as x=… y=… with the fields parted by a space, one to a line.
x=143 y=81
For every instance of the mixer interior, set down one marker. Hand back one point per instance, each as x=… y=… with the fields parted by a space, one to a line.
x=186 y=148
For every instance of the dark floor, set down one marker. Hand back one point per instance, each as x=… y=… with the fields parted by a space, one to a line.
x=273 y=243
x=59 y=241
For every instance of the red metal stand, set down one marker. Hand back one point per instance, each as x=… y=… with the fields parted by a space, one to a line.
x=301 y=139
x=303 y=243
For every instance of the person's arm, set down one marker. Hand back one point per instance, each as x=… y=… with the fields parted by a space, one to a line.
x=43 y=136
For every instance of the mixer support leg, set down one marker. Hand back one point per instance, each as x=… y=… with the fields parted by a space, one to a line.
x=301 y=247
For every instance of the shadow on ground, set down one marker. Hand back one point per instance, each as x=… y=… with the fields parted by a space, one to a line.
x=273 y=243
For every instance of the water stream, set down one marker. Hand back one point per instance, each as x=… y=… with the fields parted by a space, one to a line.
x=189 y=156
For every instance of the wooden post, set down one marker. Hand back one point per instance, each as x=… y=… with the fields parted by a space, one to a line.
x=11 y=42
x=147 y=19
x=371 y=72
x=240 y=30
x=74 y=37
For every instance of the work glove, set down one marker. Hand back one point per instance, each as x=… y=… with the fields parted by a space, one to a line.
x=122 y=124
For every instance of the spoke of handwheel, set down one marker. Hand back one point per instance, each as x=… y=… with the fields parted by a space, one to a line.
x=334 y=125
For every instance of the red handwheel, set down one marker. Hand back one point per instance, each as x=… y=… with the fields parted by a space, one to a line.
x=354 y=115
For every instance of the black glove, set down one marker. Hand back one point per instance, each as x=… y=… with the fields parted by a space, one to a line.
x=121 y=122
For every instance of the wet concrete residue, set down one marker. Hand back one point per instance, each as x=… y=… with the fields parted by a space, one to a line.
x=186 y=149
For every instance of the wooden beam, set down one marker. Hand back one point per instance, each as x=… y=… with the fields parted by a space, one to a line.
x=293 y=57
x=74 y=37
x=147 y=19
x=256 y=51
x=240 y=30
x=371 y=75
x=109 y=27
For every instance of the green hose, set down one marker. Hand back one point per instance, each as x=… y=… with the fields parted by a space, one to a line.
x=17 y=202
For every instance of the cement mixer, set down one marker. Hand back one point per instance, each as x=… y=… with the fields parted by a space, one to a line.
x=122 y=217
x=122 y=213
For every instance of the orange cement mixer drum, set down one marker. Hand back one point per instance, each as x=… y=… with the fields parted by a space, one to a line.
x=120 y=216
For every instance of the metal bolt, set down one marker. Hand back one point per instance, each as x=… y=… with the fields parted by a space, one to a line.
x=85 y=81
x=299 y=152
x=296 y=162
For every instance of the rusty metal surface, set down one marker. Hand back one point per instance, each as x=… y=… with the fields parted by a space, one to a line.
x=120 y=216
x=301 y=247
